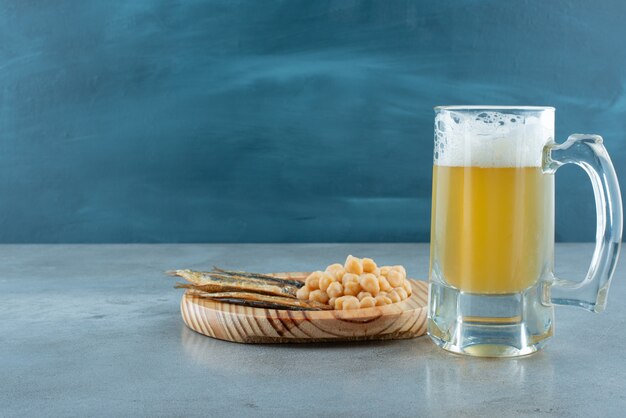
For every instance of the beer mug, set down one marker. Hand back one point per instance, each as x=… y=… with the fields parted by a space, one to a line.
x=492 y=283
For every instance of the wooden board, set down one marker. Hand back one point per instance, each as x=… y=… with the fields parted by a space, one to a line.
x=242 y=324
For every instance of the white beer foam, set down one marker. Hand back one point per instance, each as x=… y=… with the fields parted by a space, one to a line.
x=491 y=139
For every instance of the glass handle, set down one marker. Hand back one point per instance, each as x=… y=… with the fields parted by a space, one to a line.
x=588 y=152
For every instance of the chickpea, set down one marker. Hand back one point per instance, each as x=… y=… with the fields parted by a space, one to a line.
x=313 y=281
x=395 y=279
x=351 y=302
x=369 y=283
x=338 y=273
x=325 y=281
x=353 y=265
x=384 y=270
x=362 y=295
x=318 y=296
x=303 y=293
x=382 y=300
x=401 y=269
x=339 y=303
x=352 y=288
x=334 y=267
x=394 y=296
x=401 y=292
x=368 y=265
x=335 y=290
x=407 y=286
x=331 y=302
x=384 y=284
x=367 y=302
x=349 y=277
x=376 y=272
x=336 y=270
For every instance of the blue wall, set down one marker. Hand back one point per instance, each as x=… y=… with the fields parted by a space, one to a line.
x=192 y=121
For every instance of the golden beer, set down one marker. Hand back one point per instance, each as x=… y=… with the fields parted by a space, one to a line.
x=492 y=227
x=492 y=287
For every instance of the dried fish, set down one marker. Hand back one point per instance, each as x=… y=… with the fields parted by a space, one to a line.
x=259 y=276
x=195 y=277
x=245 y=288
x=260 y=300
x=210 y=282
x=200 y=277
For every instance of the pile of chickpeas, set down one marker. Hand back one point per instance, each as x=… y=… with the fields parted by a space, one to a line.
x=358 y=283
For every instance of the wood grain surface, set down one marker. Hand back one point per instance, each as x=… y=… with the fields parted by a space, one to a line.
x=242 y=324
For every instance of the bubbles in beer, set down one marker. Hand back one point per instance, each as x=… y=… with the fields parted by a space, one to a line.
x=491 y=139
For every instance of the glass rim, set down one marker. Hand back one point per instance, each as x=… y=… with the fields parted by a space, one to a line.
x=492 y=108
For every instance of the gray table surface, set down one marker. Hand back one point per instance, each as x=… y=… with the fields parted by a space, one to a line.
x=95 y=330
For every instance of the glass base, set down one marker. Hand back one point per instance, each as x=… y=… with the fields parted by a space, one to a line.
x=488 y=325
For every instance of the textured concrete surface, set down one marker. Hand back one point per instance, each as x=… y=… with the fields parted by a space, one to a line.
x=95 y=330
